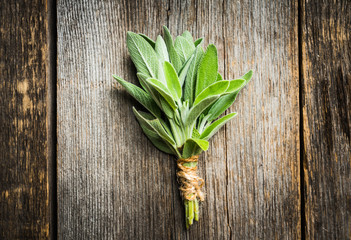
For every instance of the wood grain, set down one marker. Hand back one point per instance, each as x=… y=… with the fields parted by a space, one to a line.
x=326 y=68
x=24 y=189
x=113 y=184
x=262 y=166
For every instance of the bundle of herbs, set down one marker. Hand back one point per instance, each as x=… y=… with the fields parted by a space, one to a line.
x=184 y=95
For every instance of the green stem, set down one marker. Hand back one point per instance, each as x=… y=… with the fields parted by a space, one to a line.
x=191 y=212
x=196 y=209
x=186 y=202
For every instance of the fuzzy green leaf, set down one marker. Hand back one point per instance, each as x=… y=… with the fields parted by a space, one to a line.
x=140 y=95
x=184 y=71
x=143 y=55
x=184 y=48
x=198 y=42
x=173 y=55
x=190 y=82
x=153 y=124
x=235 y=85
x=149 y=40
x=162 y=89
x=191 y=147
x=219 y=77
x=216 y=88
x=187 y=35
x=161 y=49
x=215 y=126
x=221 y=105
x=197 y=109
x=172 y=80
x=207 y=73
x=156 y=140
x=247 y=76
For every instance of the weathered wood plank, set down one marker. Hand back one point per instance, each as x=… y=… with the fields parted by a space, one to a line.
x=326 y=68
x=24 y=189
x=112 y=183
x=262 y=169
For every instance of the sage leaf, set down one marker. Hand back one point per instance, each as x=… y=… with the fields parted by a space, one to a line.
x=172 y=80
x=215 y=126
x=247 y=76
x=149 y=40
x=208 y=68
x=167 y=109
x=219 y=77
x=198 y=42
x=156 y=140
x=161 y=49
x=162 y=89
x=190 y=81
x=153 y=92
x=153 y=124
x=173 y=55
x=191 y=146
x=216 y=88
x=184 y=48
x=184 y=71
x=197 y=109
x=141 y=96
x=235 y=85
x=221 y=105
x=143 y=55
x=187 y=35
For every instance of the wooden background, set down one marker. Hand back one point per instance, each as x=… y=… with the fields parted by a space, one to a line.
x=74 y=163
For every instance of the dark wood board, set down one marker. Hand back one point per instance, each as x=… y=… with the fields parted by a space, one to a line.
x=112 y=183
x=326 y=85
x=24 y=175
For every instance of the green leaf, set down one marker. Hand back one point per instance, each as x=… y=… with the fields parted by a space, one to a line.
x=215 y=126
x=219 y=77
x=173 y=55
x=184 y=48
x=156 y=140
x=221 y=105
x=141 y=96
x=153 y=124
x=153 y=92
x=162 y=89
x=197 y=109
x=172 y=80
x=161 y=49
x=191 y=147
x=198 y=42
x=247 y=76
x=190 y=82
x=149 y=40
x=143 y=55
x=207 y=73
x=184 y=71
x=187 y=35
x=167 y=109
x=216 y=88
x=235 y=85
x=195 y=133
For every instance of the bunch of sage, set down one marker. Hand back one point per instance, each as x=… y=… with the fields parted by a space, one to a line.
x=184 y=95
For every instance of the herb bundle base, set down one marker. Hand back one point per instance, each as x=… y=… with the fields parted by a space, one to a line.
x=184 y=96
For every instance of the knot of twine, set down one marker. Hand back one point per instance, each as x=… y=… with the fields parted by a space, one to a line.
x=190 y=182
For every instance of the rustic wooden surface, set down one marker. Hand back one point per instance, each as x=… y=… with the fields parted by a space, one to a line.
x=24 y=189
x=326 y=68
x=112 y=183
